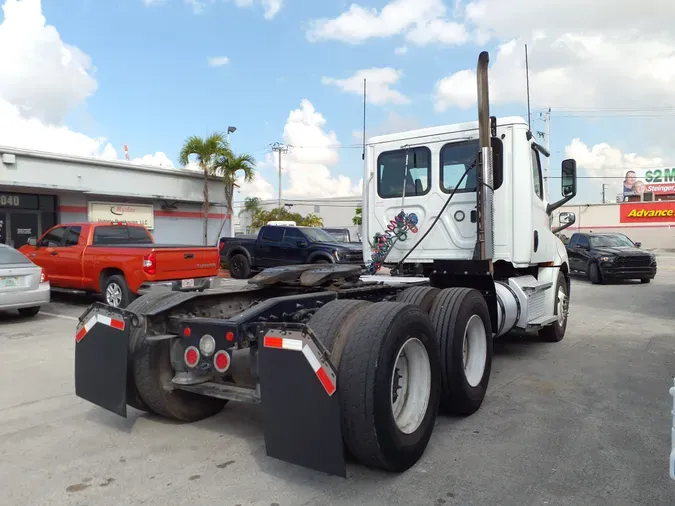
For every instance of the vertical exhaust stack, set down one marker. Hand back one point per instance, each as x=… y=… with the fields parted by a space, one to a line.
x=484 y=190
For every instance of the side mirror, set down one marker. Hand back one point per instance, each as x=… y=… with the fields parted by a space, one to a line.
x=568 y=184
x=566 y=220
x=302 y=243
x=638 y=244
x=32 y=241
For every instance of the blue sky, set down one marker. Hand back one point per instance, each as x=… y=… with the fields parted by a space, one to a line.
x=155 y=86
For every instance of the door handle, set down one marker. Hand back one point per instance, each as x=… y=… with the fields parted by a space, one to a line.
x=188 y=255
x=53 y=253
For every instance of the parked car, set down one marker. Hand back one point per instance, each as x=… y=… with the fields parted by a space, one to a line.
x=24 y=286
x=119 y=260
x=604 y=257
x=279 y=245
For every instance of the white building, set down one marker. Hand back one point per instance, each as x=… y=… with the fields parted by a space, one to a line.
x=336 y=212
x=39 y=190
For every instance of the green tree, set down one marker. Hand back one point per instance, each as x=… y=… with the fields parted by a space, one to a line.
x=356 y=220
x=312 y=220
x=262 y=217
x=251 y=205
x=208 y=151
x=228 y=166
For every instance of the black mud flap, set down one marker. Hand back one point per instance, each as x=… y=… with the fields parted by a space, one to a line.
x=301 y=409
x=101 y=349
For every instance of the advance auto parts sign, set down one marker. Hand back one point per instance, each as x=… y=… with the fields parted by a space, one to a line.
x=131 y=213
x=657 y=212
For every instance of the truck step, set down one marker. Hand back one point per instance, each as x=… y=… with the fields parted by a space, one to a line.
x=69 y=291
x=536 y=286
x=543 y=320
x=222 y=391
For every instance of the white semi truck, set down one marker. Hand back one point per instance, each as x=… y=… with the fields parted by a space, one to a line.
x=341 y=365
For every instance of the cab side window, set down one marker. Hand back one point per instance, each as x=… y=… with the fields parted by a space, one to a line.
x=582 y=240
x=536 y=174
x=53 y=239
x=73 y=236
x=573 y=241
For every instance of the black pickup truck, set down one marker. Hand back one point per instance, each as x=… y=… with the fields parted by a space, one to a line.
x=280 y=245
x=605 y=257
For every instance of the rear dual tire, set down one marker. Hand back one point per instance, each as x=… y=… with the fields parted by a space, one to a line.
x=463 y=332
x=388 y=378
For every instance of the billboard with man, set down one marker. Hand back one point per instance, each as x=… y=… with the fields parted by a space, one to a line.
x=657 y=181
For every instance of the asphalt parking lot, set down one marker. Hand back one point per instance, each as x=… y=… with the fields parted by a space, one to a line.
x=584 y=421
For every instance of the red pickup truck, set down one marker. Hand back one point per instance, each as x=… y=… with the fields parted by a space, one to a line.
x=119 y=260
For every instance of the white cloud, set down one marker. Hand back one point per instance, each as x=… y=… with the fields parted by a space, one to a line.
x=260 y=188
x=378 y=85
x=392 y=124
x=42 y=82
x=270 y=7
x=608 y=164
x=401 y=50
x=311 y=151
x=589 y=61
x=421 y=22
x=159 y=159
x=218 y=61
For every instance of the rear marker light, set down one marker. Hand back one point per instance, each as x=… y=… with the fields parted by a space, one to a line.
x=191 y=356
x=187 y=332
x=221 y=361
x=43 y=276
x=229 y=336
x=207 y=345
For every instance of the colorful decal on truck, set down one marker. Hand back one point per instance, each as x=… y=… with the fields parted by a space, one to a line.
x=397 y=230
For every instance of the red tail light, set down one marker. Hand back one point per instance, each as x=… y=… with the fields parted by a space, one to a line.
x=150 y=264
x=220 y=245
x=43 y=276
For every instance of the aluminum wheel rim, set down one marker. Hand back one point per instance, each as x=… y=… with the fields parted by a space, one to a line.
x=474 y=350
x=562 y=310
x=410 y=386
x=113 y=295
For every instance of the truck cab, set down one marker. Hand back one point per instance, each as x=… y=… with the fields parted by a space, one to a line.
x=417 y=171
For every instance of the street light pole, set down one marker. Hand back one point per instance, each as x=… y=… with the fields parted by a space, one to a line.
x=231 y=130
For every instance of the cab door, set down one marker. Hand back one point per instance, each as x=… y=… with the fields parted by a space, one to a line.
x=68 y=259
x=45 y=254
x=542 y=239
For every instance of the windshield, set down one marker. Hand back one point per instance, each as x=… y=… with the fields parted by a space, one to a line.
x=611 y=241
x=11 y=256
x=317 y=235
x=338 y=235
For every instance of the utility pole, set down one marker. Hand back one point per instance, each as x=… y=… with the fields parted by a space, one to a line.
x=279 y=148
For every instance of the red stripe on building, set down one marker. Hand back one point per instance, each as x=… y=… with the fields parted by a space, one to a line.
x=163 y=214
x=72 y=209
x=189 y=214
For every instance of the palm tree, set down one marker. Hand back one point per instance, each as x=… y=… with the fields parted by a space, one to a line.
x=207 y=151
x=228 y=166
x=251 y=205
x=312 y=220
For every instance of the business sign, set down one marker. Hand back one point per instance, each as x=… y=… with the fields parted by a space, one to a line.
x=131 y=213
x=658 y=212
x=657 y=181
